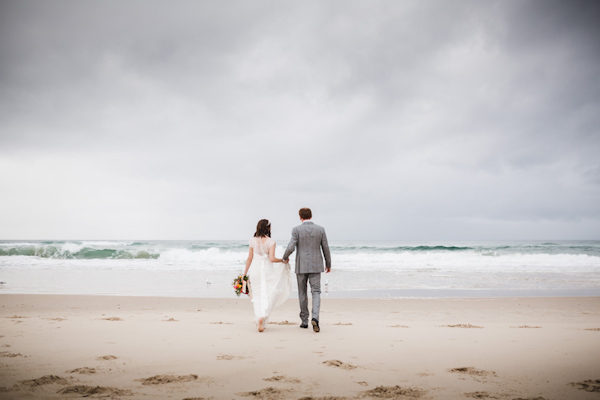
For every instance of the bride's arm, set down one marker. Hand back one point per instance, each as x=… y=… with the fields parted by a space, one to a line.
x=249 y=260
x=272 y=255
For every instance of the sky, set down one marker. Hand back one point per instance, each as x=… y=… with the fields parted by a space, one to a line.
x=392 y=120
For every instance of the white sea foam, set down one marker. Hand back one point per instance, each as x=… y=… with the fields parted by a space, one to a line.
x=71 y=247
x=93 y=266
x=472 y=261
x=105 y=243
x=208 y=259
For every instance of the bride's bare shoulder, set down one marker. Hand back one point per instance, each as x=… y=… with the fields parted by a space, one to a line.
x=266 y=240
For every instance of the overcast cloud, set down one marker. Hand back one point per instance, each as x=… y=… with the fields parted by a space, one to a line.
x=399 y=120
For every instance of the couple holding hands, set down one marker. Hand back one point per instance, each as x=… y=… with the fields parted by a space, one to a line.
x=271 y=281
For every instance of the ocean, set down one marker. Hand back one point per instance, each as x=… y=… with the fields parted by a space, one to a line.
x=360 y=268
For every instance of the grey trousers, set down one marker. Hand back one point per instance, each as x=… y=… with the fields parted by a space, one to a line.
x=315 y=288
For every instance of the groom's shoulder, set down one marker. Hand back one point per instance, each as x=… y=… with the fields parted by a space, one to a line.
x=313 y=226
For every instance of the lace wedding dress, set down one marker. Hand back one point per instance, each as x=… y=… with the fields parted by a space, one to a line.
x=270 y=284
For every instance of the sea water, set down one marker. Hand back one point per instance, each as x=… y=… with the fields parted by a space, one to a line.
x=360 y=268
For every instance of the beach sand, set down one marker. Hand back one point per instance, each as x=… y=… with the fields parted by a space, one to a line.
x=61 y=347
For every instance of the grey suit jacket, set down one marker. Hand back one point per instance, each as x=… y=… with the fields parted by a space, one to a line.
x=311 y=242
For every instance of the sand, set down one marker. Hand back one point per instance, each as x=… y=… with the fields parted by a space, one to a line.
x=62 y=347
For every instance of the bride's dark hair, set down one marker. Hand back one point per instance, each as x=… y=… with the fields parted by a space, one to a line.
x=263 y=228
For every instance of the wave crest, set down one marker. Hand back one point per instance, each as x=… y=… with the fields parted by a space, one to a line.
x=74 y=251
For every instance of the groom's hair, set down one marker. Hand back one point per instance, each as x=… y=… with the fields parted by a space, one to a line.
x=305 y=213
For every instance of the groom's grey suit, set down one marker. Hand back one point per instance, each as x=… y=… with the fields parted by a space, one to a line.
x=310 y=241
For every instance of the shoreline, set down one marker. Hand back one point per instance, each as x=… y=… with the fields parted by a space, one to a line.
x=360 y=294
x=179 y=347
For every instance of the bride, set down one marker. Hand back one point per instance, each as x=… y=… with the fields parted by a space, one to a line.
x=270 y=281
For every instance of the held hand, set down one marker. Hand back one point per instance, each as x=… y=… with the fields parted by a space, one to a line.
x=286 y=261
x=327 y=270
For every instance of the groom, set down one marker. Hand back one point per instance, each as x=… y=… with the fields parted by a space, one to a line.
x=311 y=241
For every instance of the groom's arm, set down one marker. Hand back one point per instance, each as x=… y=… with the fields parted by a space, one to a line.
x=292 y=245
x=326 y=252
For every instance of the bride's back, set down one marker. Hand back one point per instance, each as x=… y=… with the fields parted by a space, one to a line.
x=261 y=248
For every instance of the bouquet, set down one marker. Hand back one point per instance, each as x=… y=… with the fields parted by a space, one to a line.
x=241 y=284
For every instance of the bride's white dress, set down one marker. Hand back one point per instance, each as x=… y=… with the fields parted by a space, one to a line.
x=270 y=284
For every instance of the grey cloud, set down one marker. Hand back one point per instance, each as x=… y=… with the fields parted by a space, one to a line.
x=444 y=114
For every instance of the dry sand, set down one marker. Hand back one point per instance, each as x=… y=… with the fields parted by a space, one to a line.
x=61 y=347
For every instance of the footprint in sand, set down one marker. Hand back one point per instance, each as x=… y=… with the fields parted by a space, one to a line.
x=473 y=372
x=468 y=326
x=10 y=355
x=282 y=378
x=339 y=364
x=393 y=392
x=111 y=319
x=45 y=380
x=480 y=395
x=343 y=324
x=107 y=358
x=164 y=379
x=529 y=398
x=592 y=329
x=221 y=323
x=82 y=370
x=229 y=357
x=398 y=326
x=526 y=327
x=589 y=386
x=88 y=391
x=268 y=393
x=170 y=320
x=286 y=322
